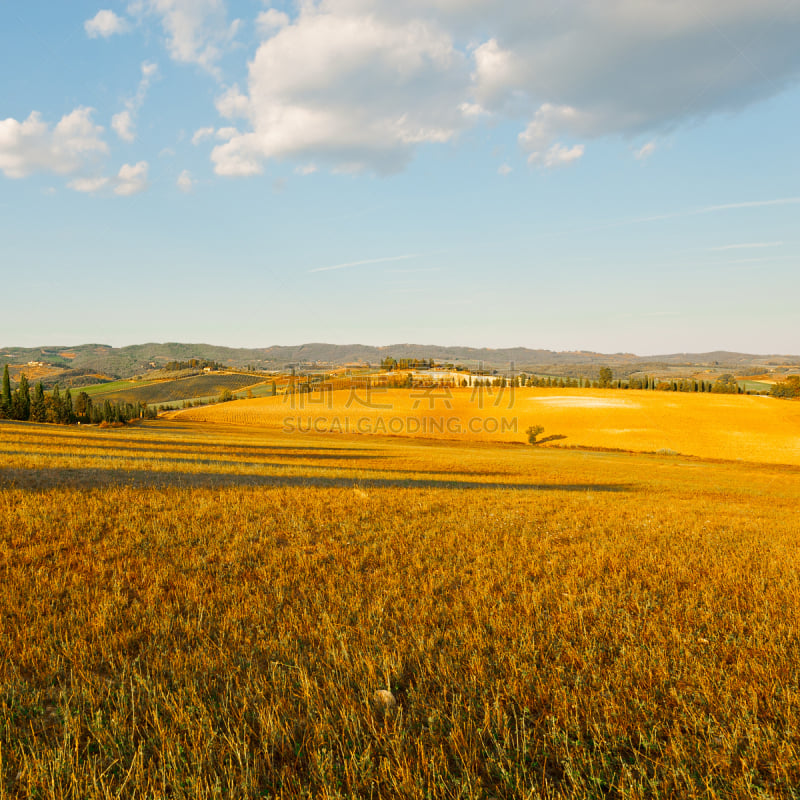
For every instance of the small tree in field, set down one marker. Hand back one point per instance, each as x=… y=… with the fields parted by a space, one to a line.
x=533 y=432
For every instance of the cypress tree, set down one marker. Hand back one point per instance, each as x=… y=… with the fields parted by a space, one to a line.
x=69 y=414
x=24 y=402
x=5 y=397
x=38 y=408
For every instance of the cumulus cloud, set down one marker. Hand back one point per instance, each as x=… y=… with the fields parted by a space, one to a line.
x=185 y=181
x=105 y=23
x=496 y=70
x=201 y=134
x=232 y=104
x=122 y=124
x=349 y=89
x=633 y=67
x=30 y=146
x=558 y=155
x=197 y=30
x=548 y=122
x=131 y=179
x=270 y=21
x=360 y=84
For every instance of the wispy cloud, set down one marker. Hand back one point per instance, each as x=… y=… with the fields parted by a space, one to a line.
x=364 y=262
x=416 y=269
x=746 y=246
x=781 y=201
x=689 y=212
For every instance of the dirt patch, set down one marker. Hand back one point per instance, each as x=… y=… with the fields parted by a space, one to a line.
x=569 y=401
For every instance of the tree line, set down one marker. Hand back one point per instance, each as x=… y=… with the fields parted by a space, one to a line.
x=390 y=364
x=192 y=363
x=790 y=388
x=35 y=405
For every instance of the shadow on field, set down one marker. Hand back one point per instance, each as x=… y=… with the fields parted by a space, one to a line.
x=205 y=457
x=178 y=446
x=97 y=478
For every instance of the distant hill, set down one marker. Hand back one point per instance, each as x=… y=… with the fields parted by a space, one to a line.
x=135 y=359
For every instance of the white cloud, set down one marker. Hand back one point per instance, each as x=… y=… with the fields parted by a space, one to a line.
x=472 y=110
x=634 y=66
x=747 y=246
x=557 y=156
x=780 y=201
x=366 y=261
x=548 y=121
x=504 y=169
x=270 y=21
x=239 y=158
x=349 y=89
x=105 y=23
x=645 y=151
x=496 y=69
x=185 y=181
x=132 y=179
x=232 y=104
x=33 y=146
x=122 y=124
x=537 y=138
x=306 y=169
x=197 y=30
x=357 y=84
x=89 y=185
x=149 y=71
x=201 y=134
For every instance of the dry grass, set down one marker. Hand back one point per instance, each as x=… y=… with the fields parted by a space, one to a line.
x=193 y=611
x=749 y=428
x=33 y=374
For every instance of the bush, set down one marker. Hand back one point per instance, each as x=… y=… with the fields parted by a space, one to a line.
x=533 y=432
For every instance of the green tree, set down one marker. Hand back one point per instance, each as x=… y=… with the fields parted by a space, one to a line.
x=69 y=413
x=5 y=397
x=533 y=432
x=725 y=384
x=605 y=377
x=24 y=398
x=788 y=388
x=83 y=407
x=38 y=407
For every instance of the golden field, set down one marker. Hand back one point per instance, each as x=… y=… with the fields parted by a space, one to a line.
x=200 y=611
x=750 y=428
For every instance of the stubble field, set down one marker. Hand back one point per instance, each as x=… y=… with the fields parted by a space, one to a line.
x=192 y=610
x=749 y=428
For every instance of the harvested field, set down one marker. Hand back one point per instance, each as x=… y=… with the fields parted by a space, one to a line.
x=202 y=611
x=749 y=428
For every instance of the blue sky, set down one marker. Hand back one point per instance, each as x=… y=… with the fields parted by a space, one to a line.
x=563 y=174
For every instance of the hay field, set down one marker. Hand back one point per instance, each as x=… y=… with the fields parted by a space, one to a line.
x=207 y=611
x=749 y=428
